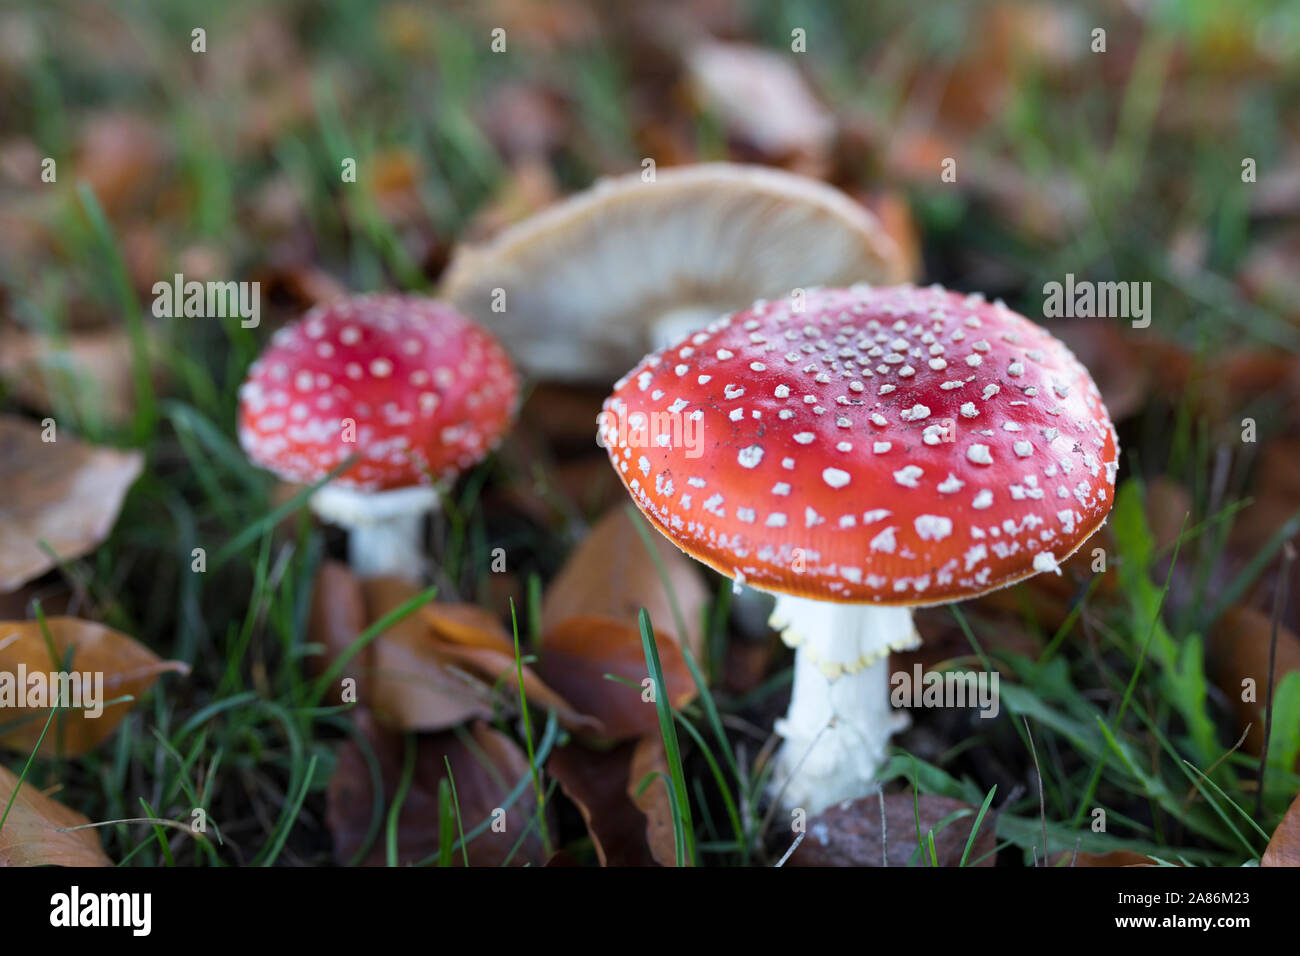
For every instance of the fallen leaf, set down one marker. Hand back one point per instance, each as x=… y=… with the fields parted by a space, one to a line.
x=337 y=618
x=597 y=783
x=474 y=639
x=1284 y=847
x=123 y=665
x=64 y=493
x=442 y=665
x=849 y=834
x=761 y=99
x=612 y=574
x=649 y=758
x=35 y=833
x=410 y=687
x=90 y=368
x=1239 y=650
x=485 y=766
x=578 y=653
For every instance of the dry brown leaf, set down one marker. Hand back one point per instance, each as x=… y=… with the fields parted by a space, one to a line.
x=62 y=492
x=485 y=766
x=410 y=687
x=468 y=625
x=35 y=832
x=337 y=618
x=471 y=638
x=576 y=656
x=93 y=364
x=1239 y=649
x=596 y=782
x=653 y=802
x=849 y=834
x=438 y=667
x=612 y=574
x=127 y=667
x=761 y=99
x=1284 y=848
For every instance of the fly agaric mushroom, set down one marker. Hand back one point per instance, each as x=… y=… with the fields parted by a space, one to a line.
x=582 y=290
x=878 y=450
x=412 y=387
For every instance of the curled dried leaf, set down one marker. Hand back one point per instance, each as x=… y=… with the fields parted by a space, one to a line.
x=485 y=766
x=62 y=493
x=411 y=688
x=84 y=666
x=850 y=834
x=37 y=830
x=596 y=782
x=578 y=654
x=1284 y=847
x=612 y=574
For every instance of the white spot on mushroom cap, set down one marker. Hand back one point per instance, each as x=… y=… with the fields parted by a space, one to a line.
x=908 y=476
x=933 y=527
x=835 y=477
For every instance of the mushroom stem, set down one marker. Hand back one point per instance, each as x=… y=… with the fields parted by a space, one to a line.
x=385 y=528
x=675 y=324
x=840 y=719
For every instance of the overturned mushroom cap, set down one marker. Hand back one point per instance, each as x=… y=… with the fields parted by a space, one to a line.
x=901 y=446
x=578 y=291
x=413 y=388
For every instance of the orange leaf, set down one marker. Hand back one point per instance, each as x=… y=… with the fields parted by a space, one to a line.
x=649 y=758
x=410 y=689
x=35 y=832
x=1284 y=848
x=612 y=574
x=117 y=664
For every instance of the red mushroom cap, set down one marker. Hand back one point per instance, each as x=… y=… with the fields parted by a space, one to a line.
x=427 y=393
x=898 y=445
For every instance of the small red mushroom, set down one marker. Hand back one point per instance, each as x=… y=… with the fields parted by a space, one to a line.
x=859 y=452
x=409 y=385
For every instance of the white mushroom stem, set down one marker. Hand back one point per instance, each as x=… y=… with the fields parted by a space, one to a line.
x=675 y=324
x=385 y=528
x=840 y=719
